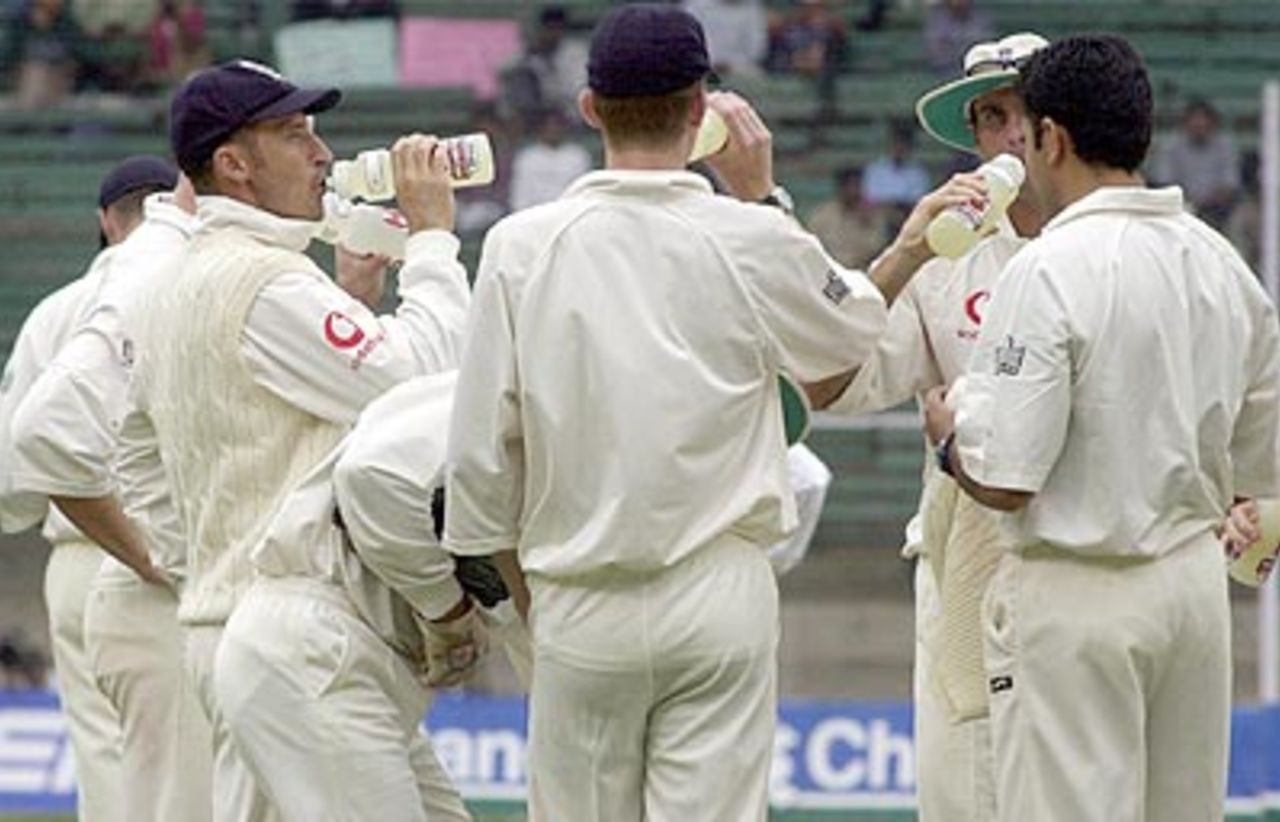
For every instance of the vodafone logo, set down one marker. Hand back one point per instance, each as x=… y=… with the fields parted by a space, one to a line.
x=973 y=306
x=341 y=331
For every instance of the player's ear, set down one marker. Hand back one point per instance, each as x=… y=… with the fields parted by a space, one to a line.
x=1058 y=144
x=587 y=108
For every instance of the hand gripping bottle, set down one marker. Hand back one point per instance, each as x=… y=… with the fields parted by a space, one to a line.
x=363 y=228
x=957 y=229
x=369 y=176
x=1255 y=562
x=713 y=135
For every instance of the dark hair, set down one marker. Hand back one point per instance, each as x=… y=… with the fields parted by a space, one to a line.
x=1096 y=87
x=1198 y=105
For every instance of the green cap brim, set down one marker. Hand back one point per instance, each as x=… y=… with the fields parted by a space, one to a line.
x=944 y=112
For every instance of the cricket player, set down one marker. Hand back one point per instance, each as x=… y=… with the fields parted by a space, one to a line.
x=66 y=442
x=253 y=363
x=618 y=425
x=93 y=723
x=932 y=330
x=1124 y=391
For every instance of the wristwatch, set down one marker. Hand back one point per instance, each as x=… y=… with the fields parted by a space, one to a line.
x=779 y=197
x=943 y=453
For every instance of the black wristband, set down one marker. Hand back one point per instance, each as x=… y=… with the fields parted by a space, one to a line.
x=943 y=453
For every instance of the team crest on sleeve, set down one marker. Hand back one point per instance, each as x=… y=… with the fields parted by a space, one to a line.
x=836 y=288
x=1009 y=358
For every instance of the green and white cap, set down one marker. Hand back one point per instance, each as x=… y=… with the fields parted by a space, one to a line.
x=944 y=112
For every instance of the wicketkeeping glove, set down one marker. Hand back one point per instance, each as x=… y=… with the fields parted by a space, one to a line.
x=453 y=648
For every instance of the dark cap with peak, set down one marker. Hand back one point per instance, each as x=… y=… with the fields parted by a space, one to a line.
x=134 y=173
x=646 y=49
x=219 y=101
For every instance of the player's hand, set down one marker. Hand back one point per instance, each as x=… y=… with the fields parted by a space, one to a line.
x=961 y=189
x=154 y=575
x=453 y=647
x=423 y=191
x=939 y=419
x=745 y=166
x=363 y=276
x=1240 y=528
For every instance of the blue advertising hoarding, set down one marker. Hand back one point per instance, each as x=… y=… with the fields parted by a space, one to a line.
x=836 y=756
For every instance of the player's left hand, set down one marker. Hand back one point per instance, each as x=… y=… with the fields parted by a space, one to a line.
x=453 y=647
x=939 y=419
x=745 y=166
x=1240 y=528
x=363 y=276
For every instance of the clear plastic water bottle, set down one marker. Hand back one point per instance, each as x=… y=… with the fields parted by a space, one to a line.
x=713 y=135
x=369 y=176
x=362 y=228
x=956 y=230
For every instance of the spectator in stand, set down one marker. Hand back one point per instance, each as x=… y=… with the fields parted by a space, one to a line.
x=21 y=664
x=1245 y=226
x=851 y=229
x=950 y=28
x=549 y=73
x=811 y=40
x=897 y=180
x=178 y=45
x=114 y=18
x=45 y=48
x=543 y=169
x=737 y=33
x=1202 y=159
x=343 y=9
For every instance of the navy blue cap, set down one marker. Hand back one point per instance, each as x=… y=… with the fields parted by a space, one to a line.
x=133 y=173
x=219 y=101
x=646 y=49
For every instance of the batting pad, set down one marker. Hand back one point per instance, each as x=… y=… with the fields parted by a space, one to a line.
x=963 y=543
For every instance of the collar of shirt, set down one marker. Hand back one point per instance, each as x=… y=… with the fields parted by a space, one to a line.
x=1131 y=199
x=217 y=212
x=627 y=181
x=160 y=208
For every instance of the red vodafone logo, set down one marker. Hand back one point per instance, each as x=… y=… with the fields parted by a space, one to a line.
x=341 y=331
x=973 y=304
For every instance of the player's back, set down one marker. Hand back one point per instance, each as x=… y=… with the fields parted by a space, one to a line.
x=1167 y=327
x=646 y=357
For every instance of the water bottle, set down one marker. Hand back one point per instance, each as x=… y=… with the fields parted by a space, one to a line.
x=362 y=228
x=369 y=175
x=713 y=135
x=1254 y=564
x=957 y=230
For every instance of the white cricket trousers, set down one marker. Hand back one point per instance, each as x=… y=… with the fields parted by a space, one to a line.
x=1110 y=685
x=136 y=649
x=327 y=715
x=237 y=796
x=955 y=779
x=92 y=722
x=656 y=699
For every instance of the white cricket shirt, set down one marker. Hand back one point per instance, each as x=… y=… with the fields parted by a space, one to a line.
x=618 y=405
x=66 y=429
x=48 y=326
x=933 y=327
x=1128 y=374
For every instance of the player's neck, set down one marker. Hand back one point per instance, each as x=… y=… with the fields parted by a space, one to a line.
x=646 y=158
x=1026 y=218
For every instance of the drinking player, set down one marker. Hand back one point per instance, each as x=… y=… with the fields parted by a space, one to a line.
x=253 y=362
x=932 y=330
x=1124 y=390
